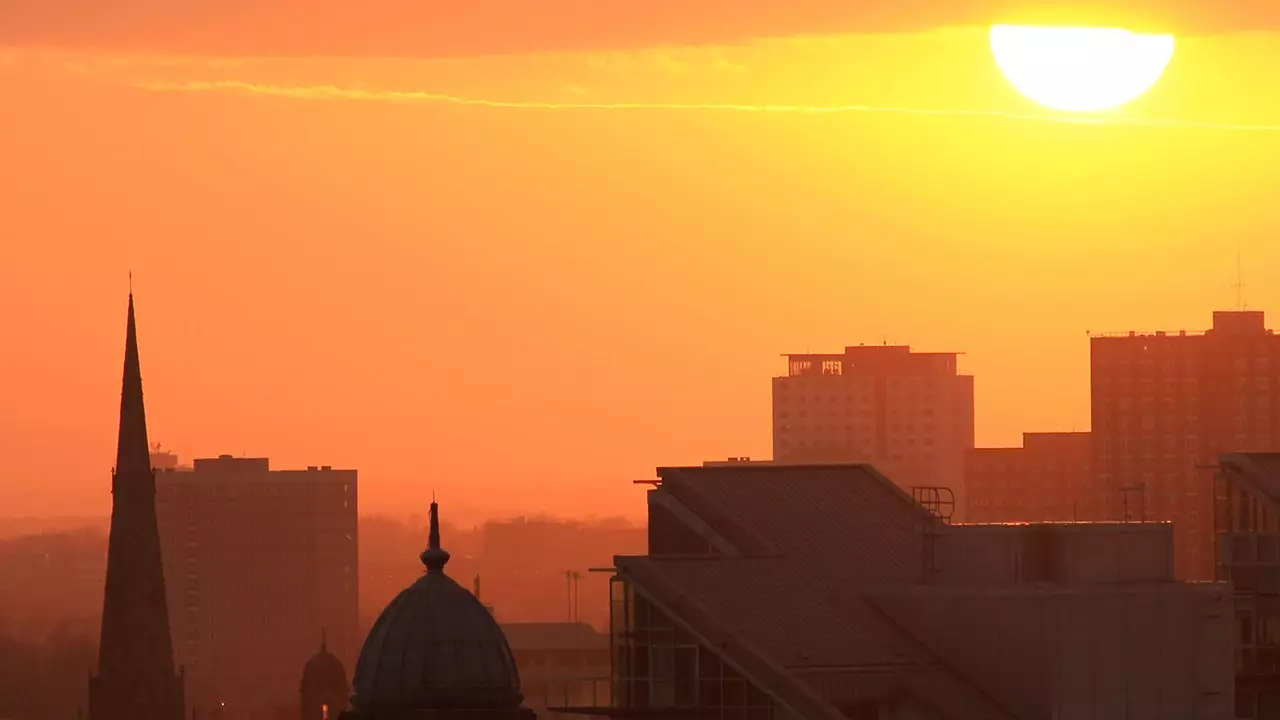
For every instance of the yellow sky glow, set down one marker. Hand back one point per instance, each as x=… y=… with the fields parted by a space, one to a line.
x=540 y=304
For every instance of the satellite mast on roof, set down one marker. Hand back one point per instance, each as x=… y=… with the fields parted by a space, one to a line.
x=1239 y=285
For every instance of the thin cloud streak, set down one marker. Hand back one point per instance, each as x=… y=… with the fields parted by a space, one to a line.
x=333 y=92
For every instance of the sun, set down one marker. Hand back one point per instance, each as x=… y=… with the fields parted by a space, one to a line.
x=1078 y=69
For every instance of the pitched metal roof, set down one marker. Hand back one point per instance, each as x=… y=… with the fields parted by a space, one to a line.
x=793 y=623
x=811 y=541
x=791 y=616
x=554 y=636
x=847 y=519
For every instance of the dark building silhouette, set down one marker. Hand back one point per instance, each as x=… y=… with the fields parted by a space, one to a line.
x=1167 y=404
x=826 y=592
x=436 y=653
x=1247 y=533
x=136 y=678
x=1049 y=479
x=324 y=690
x=908 y=413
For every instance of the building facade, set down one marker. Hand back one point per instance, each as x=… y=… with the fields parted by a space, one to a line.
x=560 y=663
x=1049 y=479
x=260 y=563
x=910 y=414
x=1165 y=405
x=826 y=593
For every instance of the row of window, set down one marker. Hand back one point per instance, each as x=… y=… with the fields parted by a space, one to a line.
x=1050 y=467
x=848 y=442
x=863 y=399
x=1172 y=366
x=863 y=428
x=1187 y=382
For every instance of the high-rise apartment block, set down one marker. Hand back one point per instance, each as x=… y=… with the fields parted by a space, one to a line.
x=259 y=564
x=1049 y=479
x=1165 y=405
x=909 y=414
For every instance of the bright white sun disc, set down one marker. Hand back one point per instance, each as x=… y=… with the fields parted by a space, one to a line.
x=1078 y=69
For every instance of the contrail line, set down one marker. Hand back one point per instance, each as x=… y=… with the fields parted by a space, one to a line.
x=333 y=92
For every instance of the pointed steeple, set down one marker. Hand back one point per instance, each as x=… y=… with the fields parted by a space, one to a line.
x=135 y=678
x=434 y=557
x=133 y=454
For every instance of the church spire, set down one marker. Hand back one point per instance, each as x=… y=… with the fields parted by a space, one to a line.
x=136 y=678
x=133 y=455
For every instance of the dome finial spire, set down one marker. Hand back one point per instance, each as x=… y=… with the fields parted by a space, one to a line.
x=324 y=639
x=434 y=557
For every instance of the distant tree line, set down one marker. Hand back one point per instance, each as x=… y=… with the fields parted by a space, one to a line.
x=45 y=678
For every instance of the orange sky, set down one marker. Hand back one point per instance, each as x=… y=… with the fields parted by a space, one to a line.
x=526 y=307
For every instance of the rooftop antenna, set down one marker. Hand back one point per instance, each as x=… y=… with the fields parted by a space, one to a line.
x=1239 y=286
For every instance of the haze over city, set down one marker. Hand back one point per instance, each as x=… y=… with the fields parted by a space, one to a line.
x=764 y=360
x=536 y=303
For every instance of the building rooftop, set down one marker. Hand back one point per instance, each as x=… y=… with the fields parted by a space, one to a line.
x=822 y=569
x=229 y=467
x=872 y=359
x=1235 y=322
x=523 y=636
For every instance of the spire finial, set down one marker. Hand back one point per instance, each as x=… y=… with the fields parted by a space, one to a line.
x=133 y=452
x=477 y=590
x=324 y=639
x=434 y=557
x=130 y=284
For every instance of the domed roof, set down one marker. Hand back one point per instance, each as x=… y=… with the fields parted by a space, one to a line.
x=324 y=669
x=435 y=647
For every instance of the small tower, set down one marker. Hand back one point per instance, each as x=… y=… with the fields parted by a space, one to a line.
x=324 y=685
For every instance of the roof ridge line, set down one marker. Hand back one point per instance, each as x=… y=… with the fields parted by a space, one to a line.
x=939 y=664
x=784 y=678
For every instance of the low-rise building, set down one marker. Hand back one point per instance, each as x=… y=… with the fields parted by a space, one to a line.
x=560 y=663
x=1049 y=479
